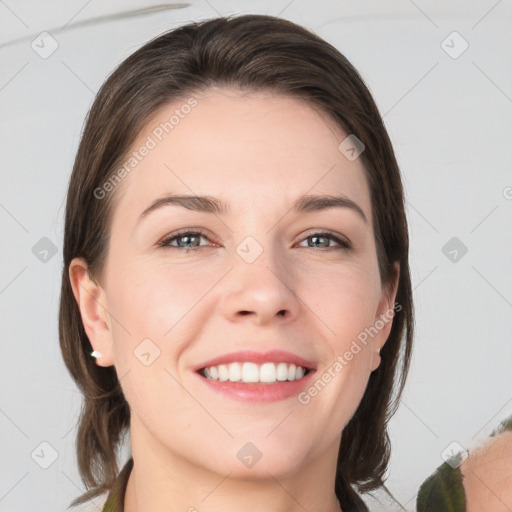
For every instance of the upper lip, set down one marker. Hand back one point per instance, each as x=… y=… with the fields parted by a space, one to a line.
x=275 y=356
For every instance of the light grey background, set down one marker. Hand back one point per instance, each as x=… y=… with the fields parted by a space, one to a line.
x=450 y=123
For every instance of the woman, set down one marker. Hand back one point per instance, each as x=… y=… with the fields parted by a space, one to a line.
x=236 y=291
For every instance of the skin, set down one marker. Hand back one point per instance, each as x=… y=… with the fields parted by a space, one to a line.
x=260 y=152
x=487 y=475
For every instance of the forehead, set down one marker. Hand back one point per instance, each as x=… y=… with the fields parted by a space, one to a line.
x=248 y=148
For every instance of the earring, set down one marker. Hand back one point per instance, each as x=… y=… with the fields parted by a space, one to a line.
x=96 y=354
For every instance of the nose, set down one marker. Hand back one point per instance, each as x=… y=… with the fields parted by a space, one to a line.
x=263 y=290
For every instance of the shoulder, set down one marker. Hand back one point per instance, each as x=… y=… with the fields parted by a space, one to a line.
x=456 y=484
x=95 y=505
x=488 y=473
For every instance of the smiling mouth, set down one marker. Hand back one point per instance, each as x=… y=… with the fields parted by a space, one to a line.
x=252 y=373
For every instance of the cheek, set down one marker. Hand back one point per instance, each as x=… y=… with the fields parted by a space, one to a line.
x=145 y=296
x=158 y=302
x=348 y=301
x=345 y=300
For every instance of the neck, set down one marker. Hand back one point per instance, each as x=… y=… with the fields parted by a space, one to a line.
x=161 y=479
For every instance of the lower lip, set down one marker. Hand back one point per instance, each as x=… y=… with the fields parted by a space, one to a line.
x=259 y=392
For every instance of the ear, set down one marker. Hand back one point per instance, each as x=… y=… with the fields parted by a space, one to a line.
x=91 y=301
x=384 y=316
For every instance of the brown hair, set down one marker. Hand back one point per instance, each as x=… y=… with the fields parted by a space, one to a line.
x=250 y=52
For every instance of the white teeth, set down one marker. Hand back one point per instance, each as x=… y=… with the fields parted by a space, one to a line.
x=223 y=372
x=291 y=372
x=268 y=372
x=252 y=372
x=282 y=371
x=235 y=372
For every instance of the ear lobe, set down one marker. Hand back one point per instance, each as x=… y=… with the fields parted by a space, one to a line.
x=91 y=302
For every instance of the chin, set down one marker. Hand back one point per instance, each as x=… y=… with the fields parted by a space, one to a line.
x=262 y=470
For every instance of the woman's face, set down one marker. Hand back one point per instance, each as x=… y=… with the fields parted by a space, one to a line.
x=264 y=276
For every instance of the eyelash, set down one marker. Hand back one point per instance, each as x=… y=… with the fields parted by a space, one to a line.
x=165 y=243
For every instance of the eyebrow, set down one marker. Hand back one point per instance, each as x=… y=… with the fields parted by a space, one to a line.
x=209 y=204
